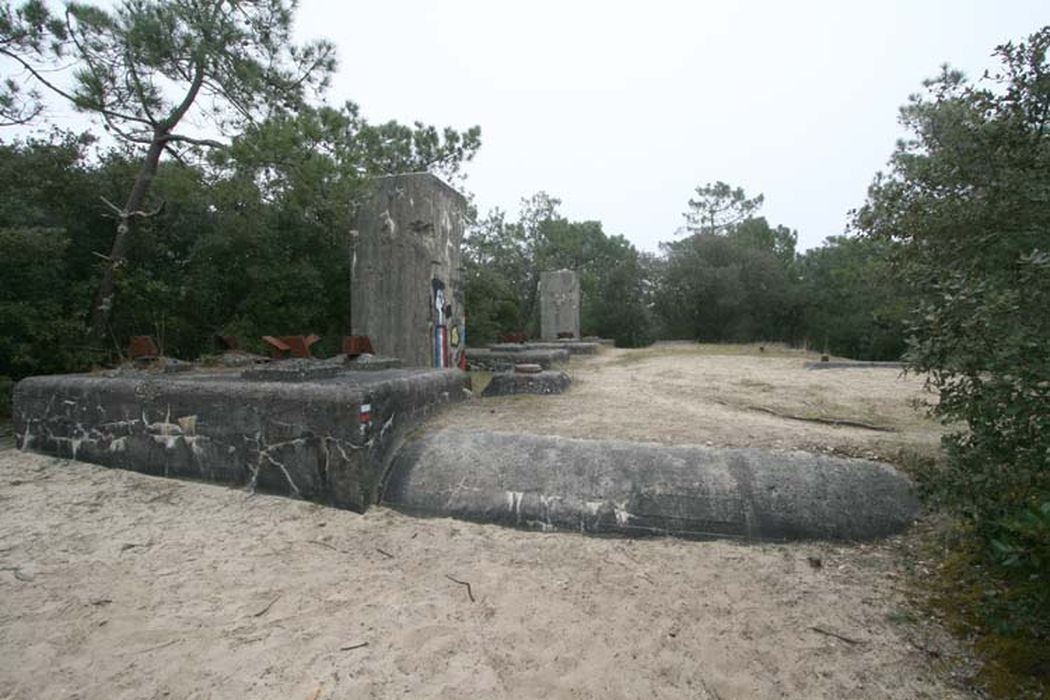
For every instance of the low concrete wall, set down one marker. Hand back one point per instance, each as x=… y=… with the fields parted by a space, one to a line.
x=326 y=440
x=494 y=361
x=853 y=364
x=608 y=486
x=573 y=347
x=510 y=383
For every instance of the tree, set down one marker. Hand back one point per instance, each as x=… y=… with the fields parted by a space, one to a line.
x=151 y=66
x=46 y=233
x=510 y=250
x=715 y=288
x=755 y=232
x=852 y=303
x=24 y=31
x=718 y=207
x=966 y=199
x=504 y=260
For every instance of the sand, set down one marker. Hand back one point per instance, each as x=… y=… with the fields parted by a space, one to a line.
x=119 y=585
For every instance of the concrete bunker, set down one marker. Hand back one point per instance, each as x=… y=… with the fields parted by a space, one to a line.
x=325 y=438
x=322 y=430
x=636 y=489
x=329 y=432
x=406 y=283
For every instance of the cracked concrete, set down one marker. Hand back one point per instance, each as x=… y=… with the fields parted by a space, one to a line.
x=301 y=439
x=639 y=489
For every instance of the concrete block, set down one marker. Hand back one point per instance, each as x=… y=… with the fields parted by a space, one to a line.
x=576 y=347
x=545 y=382
x=559 y=293
x=325 y=439
x=493 y=361
x=406 y=286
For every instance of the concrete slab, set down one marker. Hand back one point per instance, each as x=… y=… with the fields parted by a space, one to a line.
x=494 y=361
x=322 y=438
x=853 y=364
x=546 y=382
x=573 y=347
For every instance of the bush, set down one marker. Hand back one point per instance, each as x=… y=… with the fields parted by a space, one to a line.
x=7 y=386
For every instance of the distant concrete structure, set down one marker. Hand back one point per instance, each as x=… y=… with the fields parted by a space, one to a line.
x=406 y=286
x=559 y=304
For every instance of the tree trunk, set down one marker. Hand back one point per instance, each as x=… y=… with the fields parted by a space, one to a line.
x=103 y=305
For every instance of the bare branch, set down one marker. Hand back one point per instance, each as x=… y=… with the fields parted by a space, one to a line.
x=124 y=214
x=180 y=111
x=179 y=138
x=117 y=210
x=140 y=92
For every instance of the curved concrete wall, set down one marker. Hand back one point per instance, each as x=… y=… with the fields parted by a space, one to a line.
x=637 y=489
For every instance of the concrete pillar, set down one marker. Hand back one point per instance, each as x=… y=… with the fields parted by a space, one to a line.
x=559 y=304
x=406 y=284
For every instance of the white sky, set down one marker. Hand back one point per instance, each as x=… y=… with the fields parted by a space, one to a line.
x=622 y=108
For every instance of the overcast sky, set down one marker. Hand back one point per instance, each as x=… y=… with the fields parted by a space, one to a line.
x=621 y=109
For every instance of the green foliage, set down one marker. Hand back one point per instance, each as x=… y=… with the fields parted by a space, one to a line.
x=148 y=68
x=967 y=202
x=1023 y=540
x=256 y=244
x=145 y=65
x=35 y=328
x=504 y=260
x=42 y=295
x=492 y=305
x=853 y=304
x=734 y=278
x=623 y=309
x=718 y=208
x=7 y=387
x=718 y=289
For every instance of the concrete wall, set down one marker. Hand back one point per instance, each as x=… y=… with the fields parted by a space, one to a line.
x=559 y=304
x=326 y=441
x=405 y=259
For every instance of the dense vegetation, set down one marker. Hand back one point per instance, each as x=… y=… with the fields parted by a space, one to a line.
x=966 y=203
x=731 y=277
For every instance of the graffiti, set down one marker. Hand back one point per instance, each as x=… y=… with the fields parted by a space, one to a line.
x=441 y=313
x=449 y=333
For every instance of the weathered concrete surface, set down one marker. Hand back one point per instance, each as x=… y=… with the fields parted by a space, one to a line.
x=852 y=364
x=572 y=347
x=325 y=439
x=406 y=285
x=494 y=361
x=559 y=292
x=546 y=382
x=637 y=489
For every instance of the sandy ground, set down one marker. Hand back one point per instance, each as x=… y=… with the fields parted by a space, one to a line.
x=721 y=395
x=118 y=585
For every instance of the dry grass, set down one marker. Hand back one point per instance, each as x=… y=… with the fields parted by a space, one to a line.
x=724 y=395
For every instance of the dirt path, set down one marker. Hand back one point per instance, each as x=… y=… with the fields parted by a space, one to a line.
x=118 y=585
